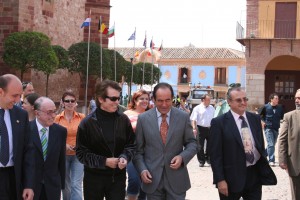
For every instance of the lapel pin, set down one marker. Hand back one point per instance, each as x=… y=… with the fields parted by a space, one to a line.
x=18 y=121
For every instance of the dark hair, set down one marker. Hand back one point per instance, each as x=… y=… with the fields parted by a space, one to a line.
x=206 y=95
x=272 y=96
x=24 y=84
x=31 y=98
x=101 y=89
x=135 y=96
x=233 y=89
x=68 y=93
x=162 y=85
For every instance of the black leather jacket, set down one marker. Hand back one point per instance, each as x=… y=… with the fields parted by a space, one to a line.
x=92 y=148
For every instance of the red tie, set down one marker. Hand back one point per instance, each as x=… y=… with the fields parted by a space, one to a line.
x=164 y=128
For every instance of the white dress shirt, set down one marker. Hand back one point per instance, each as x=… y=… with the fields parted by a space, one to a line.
x=203 y=115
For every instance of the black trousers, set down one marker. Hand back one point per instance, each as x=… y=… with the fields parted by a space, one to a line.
x=8 y=184
x=96 y=187
x=252 y=189
x=203 y=135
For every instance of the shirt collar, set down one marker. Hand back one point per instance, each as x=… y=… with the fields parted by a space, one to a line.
x=39 y=126
x=237 y=116
x=159 y=114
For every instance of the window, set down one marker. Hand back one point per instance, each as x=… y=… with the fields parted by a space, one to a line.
x=285 y=86
x=220 y=75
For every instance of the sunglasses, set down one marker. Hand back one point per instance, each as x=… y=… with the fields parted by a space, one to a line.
x=240 y=100
x=69 y=101
x=113 y=98
x=24 y=84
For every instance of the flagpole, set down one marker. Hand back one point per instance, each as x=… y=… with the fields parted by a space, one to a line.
x=115 y=52
x=131 y=80
x=87 y=69
x=152 y=63
x=143 y=82
x=101 y=64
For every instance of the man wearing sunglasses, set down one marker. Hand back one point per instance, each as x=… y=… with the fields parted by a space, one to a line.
x=237 y=151
x=105 y=144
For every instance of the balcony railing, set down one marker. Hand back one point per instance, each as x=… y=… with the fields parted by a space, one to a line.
x=268 y=29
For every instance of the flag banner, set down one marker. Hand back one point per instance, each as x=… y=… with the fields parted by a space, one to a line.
x=161 y=47
x=132 y=37
x=149 y=53
x=111 y=31
x=86 y=22
x=145 y=42
x=99 y=26
x=104 y=29
x=152 y=45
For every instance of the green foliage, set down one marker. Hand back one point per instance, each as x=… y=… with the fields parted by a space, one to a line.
x=78 y=59
x=25 y=50
x=63 y=56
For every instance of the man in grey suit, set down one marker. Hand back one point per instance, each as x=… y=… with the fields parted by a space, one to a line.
x=165 y=145
x=288 y=145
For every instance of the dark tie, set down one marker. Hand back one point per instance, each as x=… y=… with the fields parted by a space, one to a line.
x=164 y=128
x=4 y=151
x=247 y=141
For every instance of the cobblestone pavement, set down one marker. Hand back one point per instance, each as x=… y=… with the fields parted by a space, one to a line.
x=202 y=187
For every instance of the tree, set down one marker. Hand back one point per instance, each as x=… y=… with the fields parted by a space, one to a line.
x=26 y=50
x=63 y=57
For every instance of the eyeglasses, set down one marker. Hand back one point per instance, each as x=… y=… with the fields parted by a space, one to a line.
x=69 y=101
x=24 y=84
x=240 y=100
x=49 y=112
x=233 y=85
x=113 y=98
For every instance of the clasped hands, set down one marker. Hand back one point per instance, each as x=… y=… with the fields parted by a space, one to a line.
x=116 y=162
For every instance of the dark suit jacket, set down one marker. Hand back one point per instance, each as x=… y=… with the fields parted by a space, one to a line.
x=228 y=159
x=23 y=152
x=50 y=172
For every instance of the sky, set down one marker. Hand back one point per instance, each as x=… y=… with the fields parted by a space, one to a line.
x=177 y=23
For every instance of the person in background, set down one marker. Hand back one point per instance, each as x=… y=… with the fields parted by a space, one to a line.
x=27 y=89
x=28 y=105
x=184 y=106
x=70 y=119
x=165 y=145
x=288 y=146
x=105 y=144
x=271 y=114
x=201 y=117
x=138 y=104
x=49 y=141
x=92 y=106
x=17 y=153
x=237 y=152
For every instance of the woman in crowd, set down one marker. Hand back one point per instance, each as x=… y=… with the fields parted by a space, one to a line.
x=70 y=119
x=138 y=104
x=28 y=103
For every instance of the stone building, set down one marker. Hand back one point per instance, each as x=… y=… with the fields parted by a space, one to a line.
x=271 y=36
x=183 y=67
x=60 y=21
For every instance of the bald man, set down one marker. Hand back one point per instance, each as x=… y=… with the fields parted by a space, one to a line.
x=16 y=150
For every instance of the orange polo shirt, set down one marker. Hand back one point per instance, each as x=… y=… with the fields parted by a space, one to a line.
x=71 y=127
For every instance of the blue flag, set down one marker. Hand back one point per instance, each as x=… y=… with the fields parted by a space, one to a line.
x=132 y=37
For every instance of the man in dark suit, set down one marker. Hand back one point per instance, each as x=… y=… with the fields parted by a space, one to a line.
x=236 y=149
x=49 y=140
x=16 y=151
x=165 y=145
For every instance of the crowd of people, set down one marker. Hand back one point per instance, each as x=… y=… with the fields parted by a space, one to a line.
x=45 y=153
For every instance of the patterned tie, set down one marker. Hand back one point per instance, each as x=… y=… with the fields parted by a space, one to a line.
x=164 y=128
x=44 y=142
x=247 y=141
x=4 y=151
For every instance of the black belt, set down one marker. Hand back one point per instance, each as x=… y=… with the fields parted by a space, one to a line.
x=204 y=127
x=2 y=169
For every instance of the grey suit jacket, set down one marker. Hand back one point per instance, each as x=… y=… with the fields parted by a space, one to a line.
x=154 y=156
x=288 y=142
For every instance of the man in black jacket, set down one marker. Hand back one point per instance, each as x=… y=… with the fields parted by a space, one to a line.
x=105 y=144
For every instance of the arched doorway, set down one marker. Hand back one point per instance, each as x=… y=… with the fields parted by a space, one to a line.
x=282 y=77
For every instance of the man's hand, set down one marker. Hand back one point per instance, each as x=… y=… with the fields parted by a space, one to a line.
x=176 y=162
x=284 y=166
x=112 y=162
x=146 y=177
x=223 y=188
x=27 y=194
x=195 y=132
x=122 y=163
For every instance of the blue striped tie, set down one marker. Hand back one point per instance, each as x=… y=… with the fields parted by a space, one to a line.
x=44 y=141
x=4 y=141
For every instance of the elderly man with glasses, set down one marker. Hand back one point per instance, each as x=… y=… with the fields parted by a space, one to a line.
x=105 y=144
